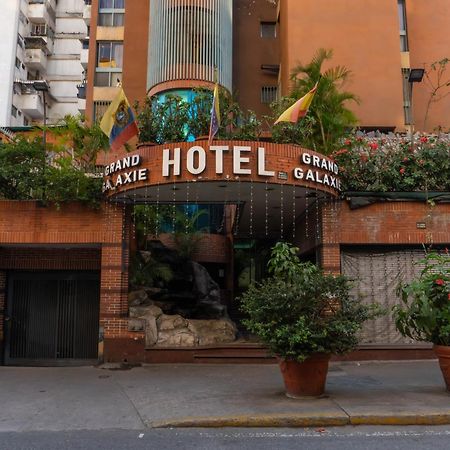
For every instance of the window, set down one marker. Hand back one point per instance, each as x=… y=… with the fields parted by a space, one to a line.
x=109 y=63
x=13 y=111
x=18 y=63
x=100 y=108
x=111 y=13
x=403 y=26
x=268 y=30
x=268 y=94
x=42 y=30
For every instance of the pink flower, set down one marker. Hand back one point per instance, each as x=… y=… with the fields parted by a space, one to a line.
x=405 y=159
x=348 y=142
x=363 y=158
x=423 y=139
x=402 y=170
x=373 y=145
x=440 y=282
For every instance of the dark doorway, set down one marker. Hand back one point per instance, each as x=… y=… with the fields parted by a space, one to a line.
x=52 y=318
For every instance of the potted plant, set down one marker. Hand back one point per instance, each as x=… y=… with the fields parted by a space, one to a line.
x=424 y=312
x=304 y=316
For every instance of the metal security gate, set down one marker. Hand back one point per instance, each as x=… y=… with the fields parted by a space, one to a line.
x=376 y=274
x=52 y=318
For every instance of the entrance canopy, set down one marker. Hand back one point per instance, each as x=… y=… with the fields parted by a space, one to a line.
x=271 y=184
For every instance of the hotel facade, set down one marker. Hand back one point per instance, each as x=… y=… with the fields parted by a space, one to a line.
x=70 y=267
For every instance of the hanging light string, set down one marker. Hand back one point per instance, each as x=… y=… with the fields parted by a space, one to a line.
x=157 y=211
x=186 y=218
x=282 y=211
x=238 y=212
x=317 y=217
x=251 y=207
x=267 y=208
x=147 y=213
x=293 y=211
x=307 y=213
x=174 y=207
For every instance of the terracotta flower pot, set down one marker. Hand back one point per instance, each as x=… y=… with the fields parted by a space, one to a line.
x=307 y=378
x=443 y=354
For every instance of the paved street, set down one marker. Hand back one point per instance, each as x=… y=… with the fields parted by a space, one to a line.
x=346 y=438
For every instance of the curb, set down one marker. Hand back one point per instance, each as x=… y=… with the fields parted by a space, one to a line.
x=300 y=421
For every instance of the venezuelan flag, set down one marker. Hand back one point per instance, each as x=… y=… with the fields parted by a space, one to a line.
x=215 y=115
x=118 y=122
x=299 y=109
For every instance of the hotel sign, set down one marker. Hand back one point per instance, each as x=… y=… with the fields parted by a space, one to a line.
x=127 y=170
x=243 y=162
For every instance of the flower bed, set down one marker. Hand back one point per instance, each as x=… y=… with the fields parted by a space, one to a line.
x=390 y=164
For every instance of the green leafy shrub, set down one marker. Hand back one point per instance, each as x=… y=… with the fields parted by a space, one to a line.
x=389 y=164
x=64 y=171
x=300 y=310
x=424 y=313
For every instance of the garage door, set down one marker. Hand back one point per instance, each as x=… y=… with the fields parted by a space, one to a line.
x=52 y=318
x=376 y=275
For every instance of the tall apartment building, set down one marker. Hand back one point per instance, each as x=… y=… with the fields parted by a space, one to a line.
x=158 y=45
x=43 y=40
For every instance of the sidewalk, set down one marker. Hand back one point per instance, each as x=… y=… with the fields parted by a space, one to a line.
x=378 y=393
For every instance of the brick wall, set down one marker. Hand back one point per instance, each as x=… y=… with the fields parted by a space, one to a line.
x=308 y=232
x=388 y=223
x=20 y=258
x=48 y=238
x=211 y=248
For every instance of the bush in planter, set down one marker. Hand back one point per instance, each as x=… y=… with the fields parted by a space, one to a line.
x=424 y=314
x=300 y=312
x=290 y=311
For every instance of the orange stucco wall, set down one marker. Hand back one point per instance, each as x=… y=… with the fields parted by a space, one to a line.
x=363 y=34
x=365 y=38
x=250 y=51
x=135 y=50
x=429 y=41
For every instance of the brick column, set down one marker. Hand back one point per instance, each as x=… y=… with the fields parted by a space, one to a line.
x=114 y=272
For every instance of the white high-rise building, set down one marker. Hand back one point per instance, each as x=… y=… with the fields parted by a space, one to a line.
x=42 y=40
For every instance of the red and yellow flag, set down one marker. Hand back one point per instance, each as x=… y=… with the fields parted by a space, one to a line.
x=299 y=108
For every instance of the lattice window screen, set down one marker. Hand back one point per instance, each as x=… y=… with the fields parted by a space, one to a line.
x=376 y=276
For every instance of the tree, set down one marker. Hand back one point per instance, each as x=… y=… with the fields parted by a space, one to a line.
x=63 y=171
x=328 y=119
x=438 y=80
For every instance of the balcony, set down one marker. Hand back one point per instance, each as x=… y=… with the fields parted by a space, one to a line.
x=30 y=102
x=42 y=11
x=82 y=105
x=84 y=58
x=81 y=90
x=87 y=13
x=41 y=37
x=36 y=59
